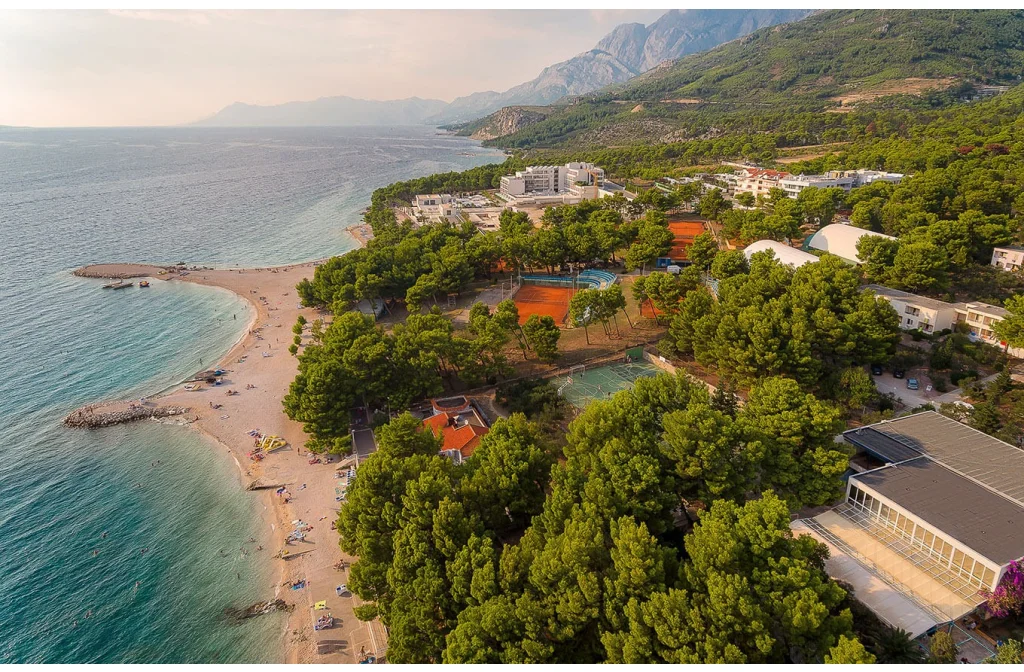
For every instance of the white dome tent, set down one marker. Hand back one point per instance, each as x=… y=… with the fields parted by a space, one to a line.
x=784 y=253
x=841 y=240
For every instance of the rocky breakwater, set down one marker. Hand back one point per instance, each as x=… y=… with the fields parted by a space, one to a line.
x=91 y=416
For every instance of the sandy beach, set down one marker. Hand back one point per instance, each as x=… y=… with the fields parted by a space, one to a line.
x=259 y=370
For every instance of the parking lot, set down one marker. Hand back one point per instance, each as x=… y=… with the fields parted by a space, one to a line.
x=887 y=384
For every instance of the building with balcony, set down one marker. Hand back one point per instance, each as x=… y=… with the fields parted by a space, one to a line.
x=918 y=312
x=758 y=181
x=1009 y=258
x=436 y=207
x=576 y=179
x=979 y=318
x=939 y=519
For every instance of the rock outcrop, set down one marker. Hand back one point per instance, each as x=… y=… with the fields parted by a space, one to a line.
x=506 y=121
x=258 y=609
x=90 y=417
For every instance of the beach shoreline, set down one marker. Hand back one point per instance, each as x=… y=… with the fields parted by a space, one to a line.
x=259 y=370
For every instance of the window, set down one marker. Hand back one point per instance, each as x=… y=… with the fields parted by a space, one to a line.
x=929 y=538
x=907 y=527
x=987 y=577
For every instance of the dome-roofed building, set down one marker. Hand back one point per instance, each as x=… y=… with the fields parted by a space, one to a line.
x=840 y=240
x=784 y=253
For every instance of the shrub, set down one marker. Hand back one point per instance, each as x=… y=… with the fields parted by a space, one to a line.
x=1008 y=597
x=294 y=349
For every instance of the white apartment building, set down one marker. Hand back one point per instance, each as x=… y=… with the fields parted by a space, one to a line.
x=843 y=179
x=794 y=184
x=758 y=181
x=1009 y=258
x=576 y=178
x=918 y=312
x=980 y=317
x=435 y=207
x=932 y=315
x=864 y=176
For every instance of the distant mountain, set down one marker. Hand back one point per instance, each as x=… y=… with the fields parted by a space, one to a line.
x=335 y=111
x=629 y=50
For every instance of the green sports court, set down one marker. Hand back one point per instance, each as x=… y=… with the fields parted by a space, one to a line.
x=585 y=384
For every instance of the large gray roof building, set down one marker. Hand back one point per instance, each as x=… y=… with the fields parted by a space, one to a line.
x=940 y=522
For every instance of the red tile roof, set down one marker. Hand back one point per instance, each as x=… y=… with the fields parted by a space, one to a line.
x=463 y=439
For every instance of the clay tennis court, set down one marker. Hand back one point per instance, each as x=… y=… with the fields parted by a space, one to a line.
x=537 y=300
x=684 y=232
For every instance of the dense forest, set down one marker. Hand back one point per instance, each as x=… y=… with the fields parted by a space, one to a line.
x=516 y=557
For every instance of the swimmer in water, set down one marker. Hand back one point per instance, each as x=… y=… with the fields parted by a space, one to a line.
x=137 y=584
x=95 y=553
x=104 y=535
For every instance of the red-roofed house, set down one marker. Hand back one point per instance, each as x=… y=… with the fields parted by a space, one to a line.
x=759 y=181
x=459 y=425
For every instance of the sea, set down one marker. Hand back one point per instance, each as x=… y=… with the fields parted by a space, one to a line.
x=126 y=544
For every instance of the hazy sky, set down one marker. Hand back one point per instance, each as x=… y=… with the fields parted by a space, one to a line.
x=139 y=67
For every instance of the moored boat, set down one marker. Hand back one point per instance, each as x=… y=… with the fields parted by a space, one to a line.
x=143 y=283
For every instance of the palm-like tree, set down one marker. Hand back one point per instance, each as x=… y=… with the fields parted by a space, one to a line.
x=895 y=646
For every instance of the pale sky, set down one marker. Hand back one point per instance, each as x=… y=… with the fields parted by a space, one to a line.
x=152 y=67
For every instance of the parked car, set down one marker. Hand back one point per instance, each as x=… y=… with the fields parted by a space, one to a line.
x=911 y=383
x=899 y=373
x=876 y=369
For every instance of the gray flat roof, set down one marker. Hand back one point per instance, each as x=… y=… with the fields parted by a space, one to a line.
x=879 y=445
x=993 y=463
x=979 y=307
x=980 y=519
x=916 y=299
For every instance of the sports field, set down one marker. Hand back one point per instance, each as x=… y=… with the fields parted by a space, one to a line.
x=684 y=232
x=586 y=384
x=538 y=300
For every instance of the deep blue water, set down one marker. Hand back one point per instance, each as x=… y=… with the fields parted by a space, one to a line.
x=69 y=197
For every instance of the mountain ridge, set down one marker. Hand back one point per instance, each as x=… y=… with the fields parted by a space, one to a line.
x=627 y=51
x=834 y=60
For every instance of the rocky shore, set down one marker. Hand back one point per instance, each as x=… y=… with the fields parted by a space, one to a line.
x=90 y=416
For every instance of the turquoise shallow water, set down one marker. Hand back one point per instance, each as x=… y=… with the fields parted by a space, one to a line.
x=214 y=196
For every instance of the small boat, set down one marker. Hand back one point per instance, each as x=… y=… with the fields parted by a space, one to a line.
x=143 y=283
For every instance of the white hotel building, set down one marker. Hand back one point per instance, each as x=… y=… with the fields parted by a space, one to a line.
x=575 y=179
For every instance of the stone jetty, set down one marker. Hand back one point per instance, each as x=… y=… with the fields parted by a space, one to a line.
x=122 y=271
x=92 y=416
